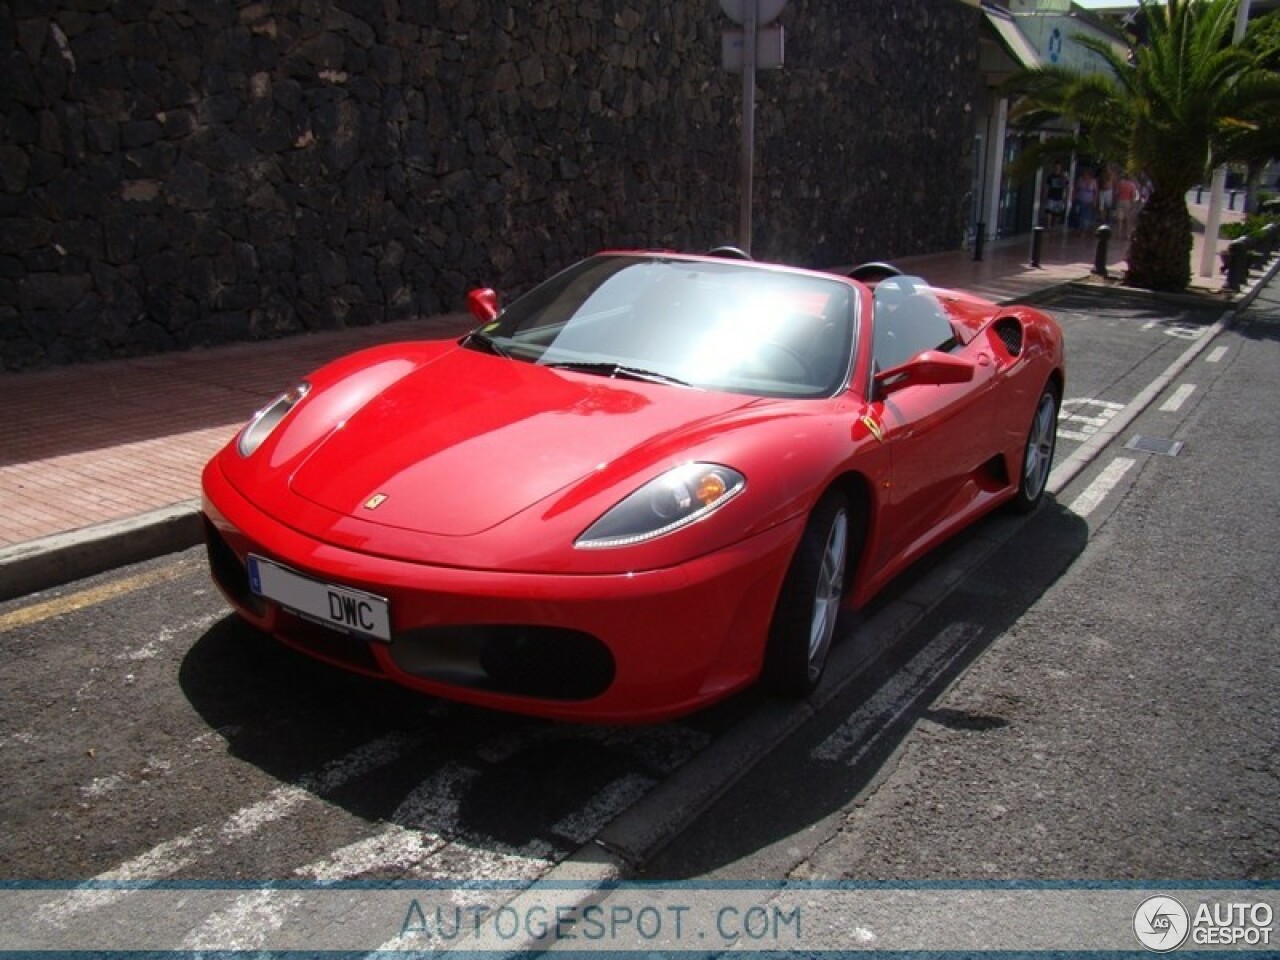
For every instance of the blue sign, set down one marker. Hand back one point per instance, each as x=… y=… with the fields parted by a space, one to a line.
x=1055 y=45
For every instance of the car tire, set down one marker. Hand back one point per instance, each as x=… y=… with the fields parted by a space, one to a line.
x=804 y=620
x=1037 y=455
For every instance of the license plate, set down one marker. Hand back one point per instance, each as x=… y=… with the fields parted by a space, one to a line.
x=345 y=609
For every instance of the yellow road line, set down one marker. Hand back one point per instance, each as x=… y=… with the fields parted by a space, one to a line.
x=26 y=616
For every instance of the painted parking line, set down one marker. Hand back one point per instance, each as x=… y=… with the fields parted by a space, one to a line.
x=851 y=741
x=1082 y=417
x=1102 y=484
x=167 y=858
x=58 y=606
x=1216 y=355
x=1178 y=398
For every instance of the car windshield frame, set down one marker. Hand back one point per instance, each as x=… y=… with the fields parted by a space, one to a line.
x=731 y=326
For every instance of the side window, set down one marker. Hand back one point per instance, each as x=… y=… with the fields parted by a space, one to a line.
x=908 y=319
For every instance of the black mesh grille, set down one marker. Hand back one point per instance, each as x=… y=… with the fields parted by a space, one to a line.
x=1009 y=330
x=530 y=661
x=325 y=643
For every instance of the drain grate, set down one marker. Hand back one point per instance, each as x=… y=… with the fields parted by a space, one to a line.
x=1158 y=445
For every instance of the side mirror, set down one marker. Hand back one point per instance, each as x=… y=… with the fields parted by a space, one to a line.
x=483 y=304
x=929 y=367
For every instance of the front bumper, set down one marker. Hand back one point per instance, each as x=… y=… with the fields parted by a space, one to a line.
x=637 y=646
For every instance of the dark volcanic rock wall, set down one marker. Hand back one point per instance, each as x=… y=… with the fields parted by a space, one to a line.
x=181 y=172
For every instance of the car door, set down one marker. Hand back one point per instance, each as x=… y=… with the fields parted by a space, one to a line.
x=934 y=431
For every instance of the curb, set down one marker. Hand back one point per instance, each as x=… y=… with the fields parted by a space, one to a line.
x=63 y=557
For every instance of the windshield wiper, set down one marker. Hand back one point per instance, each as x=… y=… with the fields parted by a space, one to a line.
x=619 y=370
x=484 y=342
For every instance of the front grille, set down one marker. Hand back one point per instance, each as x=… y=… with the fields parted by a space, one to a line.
x=324 y=643
x=1009 y=330
x=550 y=663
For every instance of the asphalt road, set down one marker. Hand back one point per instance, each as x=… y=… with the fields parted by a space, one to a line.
x=1085 y=694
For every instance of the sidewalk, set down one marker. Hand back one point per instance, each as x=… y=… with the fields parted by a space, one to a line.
x=100 y=463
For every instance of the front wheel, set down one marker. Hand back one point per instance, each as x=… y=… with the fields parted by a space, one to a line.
x=804 y=621
x=1037 y=458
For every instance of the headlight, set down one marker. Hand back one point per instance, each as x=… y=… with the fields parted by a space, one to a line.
x=679 y=497
x=266 y=419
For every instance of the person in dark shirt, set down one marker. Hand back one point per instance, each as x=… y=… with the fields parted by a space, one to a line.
x=1055 y=196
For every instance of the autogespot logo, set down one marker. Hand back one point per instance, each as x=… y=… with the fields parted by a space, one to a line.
x=1161 y=923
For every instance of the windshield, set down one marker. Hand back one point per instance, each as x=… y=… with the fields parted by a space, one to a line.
x=727 y=326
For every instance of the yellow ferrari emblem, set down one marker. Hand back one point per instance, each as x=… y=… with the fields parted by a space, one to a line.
x=873 y=427
x=374 y=502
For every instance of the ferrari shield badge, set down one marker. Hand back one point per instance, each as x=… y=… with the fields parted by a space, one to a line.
x=873 y=427
x=374 y=502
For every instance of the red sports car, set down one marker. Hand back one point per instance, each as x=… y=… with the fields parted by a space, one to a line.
x=646 y=484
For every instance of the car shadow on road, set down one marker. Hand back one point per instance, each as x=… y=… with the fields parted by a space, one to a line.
x=803 y=789
x=493 y=781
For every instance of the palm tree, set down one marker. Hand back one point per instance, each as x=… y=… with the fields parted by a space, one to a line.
x=1253 y=139
x=1162 y=110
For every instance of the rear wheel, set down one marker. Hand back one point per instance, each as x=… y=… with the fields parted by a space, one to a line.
x=1037 y=458
x=804 y=621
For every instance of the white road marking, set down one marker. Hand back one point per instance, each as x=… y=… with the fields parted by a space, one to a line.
x=898 y=695
x=167 y=858
x=394 y=847
x=1181 y=331
x=585 y=822
x=1184 y=331
x=151 y=649
x=195 y=754
x=1103 y=483
x=420 y=833
x=246 y=924
x=432 y=805
x=1216 y=354
x=1075 y=424
x=1178 y=398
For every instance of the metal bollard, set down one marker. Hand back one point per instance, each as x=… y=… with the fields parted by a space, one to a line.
x=978 y=238
x=1231 y=202
x=1100 y=255
x=1238 y=255
x=1199 y=195
x=1037 y=242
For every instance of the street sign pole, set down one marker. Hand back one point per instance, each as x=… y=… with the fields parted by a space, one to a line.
x=751 y=14
x=749 y=27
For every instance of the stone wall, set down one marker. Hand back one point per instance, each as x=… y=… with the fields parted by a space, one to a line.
x=183 y=172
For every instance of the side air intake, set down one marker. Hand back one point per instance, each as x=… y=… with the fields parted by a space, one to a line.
x=1009 y=330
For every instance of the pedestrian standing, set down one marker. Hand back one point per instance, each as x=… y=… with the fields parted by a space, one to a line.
x=1127 y=191
x=1086 y=199
x=1106 y=194
x=1055 y=196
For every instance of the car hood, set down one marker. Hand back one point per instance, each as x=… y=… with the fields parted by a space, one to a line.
x=468 y=441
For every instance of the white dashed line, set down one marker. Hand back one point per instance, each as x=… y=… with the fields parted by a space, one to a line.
x=1103 y=484
x=1178 y=398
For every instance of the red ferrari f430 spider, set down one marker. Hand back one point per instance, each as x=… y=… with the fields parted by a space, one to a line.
x=653 y=480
